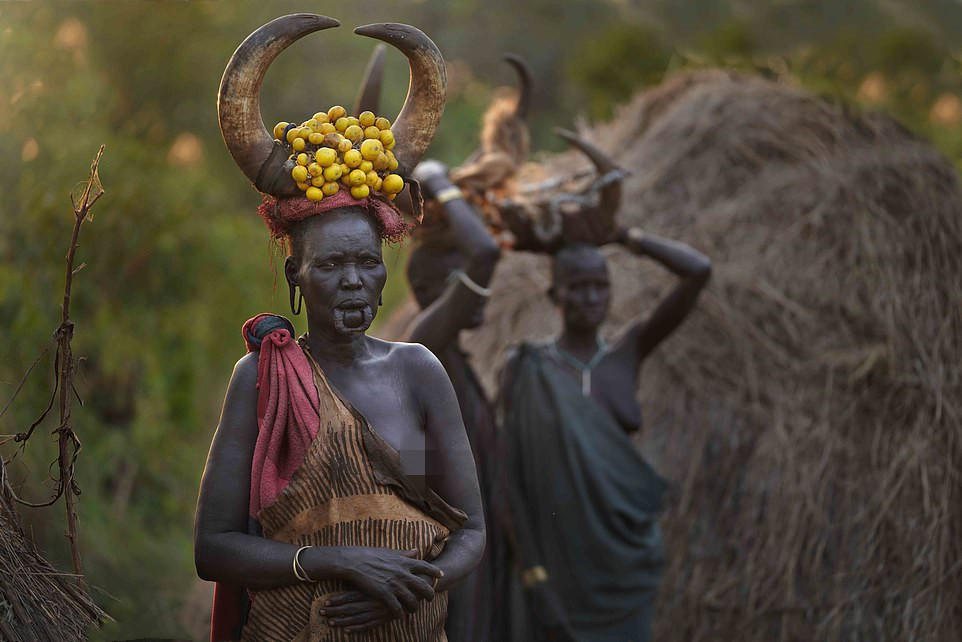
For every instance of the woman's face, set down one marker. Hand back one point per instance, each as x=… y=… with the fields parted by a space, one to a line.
x=581 y=287
x=337 y=264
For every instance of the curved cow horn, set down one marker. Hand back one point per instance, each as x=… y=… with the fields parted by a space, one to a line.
x=611 y=193
x=369 y=93
x=524 y=84
x=418 y=120
x=239 y=104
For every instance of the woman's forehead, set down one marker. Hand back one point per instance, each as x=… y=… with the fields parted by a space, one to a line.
x=580 y=263
x=337 y=231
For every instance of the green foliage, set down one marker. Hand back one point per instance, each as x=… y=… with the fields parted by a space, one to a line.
x=730 y=40
x=611 y=66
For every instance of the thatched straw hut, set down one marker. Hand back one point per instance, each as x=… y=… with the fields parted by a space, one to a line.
x=810 y=411
x=37 y=602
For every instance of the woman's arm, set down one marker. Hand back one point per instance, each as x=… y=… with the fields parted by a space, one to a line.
x=439 y=324
x=224 y=551
x=692 y=266
x=456 y=478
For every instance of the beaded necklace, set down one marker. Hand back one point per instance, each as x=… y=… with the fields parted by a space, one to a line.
x=585 y=368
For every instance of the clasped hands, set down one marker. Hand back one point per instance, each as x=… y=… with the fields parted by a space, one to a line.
x=387 y=583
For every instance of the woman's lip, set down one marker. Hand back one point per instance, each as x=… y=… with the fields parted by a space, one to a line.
x=352 y=304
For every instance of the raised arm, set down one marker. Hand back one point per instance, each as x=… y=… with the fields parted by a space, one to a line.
x=225 y=552
x=694 y=269
x=439 y=324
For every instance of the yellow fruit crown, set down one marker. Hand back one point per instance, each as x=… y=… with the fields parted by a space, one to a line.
x=334 y=149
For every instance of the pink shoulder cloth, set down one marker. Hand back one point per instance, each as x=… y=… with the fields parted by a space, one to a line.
x=287 y=407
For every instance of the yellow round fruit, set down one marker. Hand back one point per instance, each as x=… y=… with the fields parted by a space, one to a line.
x=332 y=140
x=314 y=169
x=392 y=163
x=352 y=120
x=298 y=144
x=317 y=181
x=372 y=132
x=299 y=173
x=354 y=133
x=292 y=134
x=302 y=159
x=387 y=137
x=303 y=186
x=321 y=117
x=382 y=123
x=380 y=162
x=391 y=197
x=378 y=184
x=366 y=118
x=366 y=166
x=345 y=146
x=341 y=124
x=392 y=184
x=336 y=112
x=304 y=131
x=315 y=138
x=325 y=156
x=314 y=194
x=352 y=158
x=326 y=128
x=312 y=123
x=391 y=146
x=361 y=191
x=330 y=189
x=332 y=173
x=279 y=129
x=357 y=177
x=371 y=148
x=371 y=178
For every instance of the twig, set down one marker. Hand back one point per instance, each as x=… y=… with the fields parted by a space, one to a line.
x=64 y=366
x=92 y=192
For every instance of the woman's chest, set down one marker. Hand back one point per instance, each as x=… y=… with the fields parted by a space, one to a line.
x=389 y=406
x=614 y=386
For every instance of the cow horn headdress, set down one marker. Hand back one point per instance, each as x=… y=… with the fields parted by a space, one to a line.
x=265 y=161
x=546 y=216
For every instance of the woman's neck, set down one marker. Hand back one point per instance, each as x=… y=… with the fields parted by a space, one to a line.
x=334 y=348
x=581 y=343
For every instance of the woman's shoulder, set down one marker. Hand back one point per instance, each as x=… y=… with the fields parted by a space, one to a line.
x=407 y=355
x=244 y=377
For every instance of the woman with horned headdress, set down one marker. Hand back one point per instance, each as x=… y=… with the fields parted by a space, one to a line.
x=584 y=503
x=340 y=490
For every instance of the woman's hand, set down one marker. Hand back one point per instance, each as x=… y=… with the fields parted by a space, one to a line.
x=354 y=612
x=396 y=579
x=432 y=175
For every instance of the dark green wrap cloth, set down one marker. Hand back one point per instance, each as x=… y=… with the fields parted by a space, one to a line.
x=584 y=503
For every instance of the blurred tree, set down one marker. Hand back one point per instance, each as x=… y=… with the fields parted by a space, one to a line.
x=616 y=63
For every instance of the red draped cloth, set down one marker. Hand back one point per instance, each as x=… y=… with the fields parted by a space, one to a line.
x=287 y=423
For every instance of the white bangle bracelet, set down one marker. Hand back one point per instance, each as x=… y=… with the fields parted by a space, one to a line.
x=299 y=571
x=635 y=234
x=471 y=285
x=448 y=194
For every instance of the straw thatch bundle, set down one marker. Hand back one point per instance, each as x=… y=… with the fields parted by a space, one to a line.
x=810 y=411
x=36 y=601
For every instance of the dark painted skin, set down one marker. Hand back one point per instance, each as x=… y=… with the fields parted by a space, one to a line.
x=581 y=289
x=407 y=398
x=448 y=305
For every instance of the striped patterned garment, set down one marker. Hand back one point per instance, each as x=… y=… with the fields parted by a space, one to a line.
x=349 y=491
